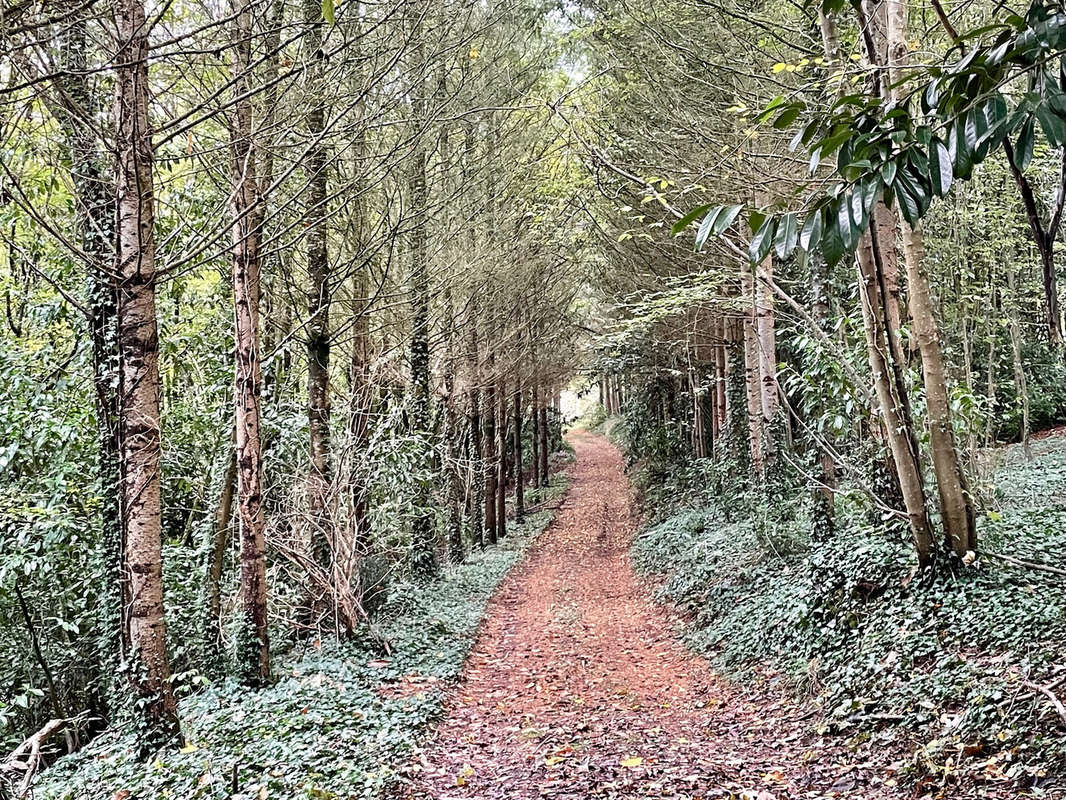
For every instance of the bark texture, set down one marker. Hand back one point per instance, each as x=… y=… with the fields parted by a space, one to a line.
x=139 y=433
x=253 y=646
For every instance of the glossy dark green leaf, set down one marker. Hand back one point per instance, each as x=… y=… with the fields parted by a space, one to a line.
x=961 y=152
x=1023 y=150
x=726 y=219
x=690 y=217
x=762 y=241
x=845 y=226
x=833 y=248
x=940 y=168
x=787 y=235
x=1053 y=125
x=704 y=231
x=888 y=172
x=811 y=234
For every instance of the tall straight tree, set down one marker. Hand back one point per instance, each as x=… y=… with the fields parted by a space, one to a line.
x=254 y=642
x=93 y=188
x=138 y=346
x=956 y=505
x=318 y=285
x=424 y=547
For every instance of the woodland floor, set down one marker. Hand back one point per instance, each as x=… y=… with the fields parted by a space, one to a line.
x=578 y=687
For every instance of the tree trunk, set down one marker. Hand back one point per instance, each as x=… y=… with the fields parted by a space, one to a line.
x=216 y=558
x=489 y=443
x=543 y=433
x=478 y=475
x=721 y=358
x=519 y=478
x=827 y=473
x=424 y=545
x=501 y=461
x=898 y=426
x=767 y=346
x=93 y=186
x=138 y=345
x=956 y=507
x=534 y=439
x=253 y=646
x=752 y=377
x=319 y=297
x=1021 y=385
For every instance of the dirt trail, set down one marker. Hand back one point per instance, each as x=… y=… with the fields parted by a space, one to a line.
x=577 y=687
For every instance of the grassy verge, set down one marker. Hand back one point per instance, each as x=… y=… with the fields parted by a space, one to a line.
x=944 y=674
x=341 y=721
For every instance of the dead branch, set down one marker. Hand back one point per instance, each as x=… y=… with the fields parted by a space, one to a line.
x=25 y=760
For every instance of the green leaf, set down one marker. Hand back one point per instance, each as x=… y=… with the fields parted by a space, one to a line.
x=787 y=117
x=845 y=222
x=940 y=169
x=1023 y=150
x=812 y=231
x=832 y=247
x=787 y=236
x=888 y=172
x=689 y=218
x=725 y=219
x=1052 y=123
x=704 y=231
x=762 y=241
x=328 y=11
x=908 y=205
x=961 y=152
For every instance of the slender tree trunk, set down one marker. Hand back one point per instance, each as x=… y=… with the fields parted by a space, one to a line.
x=139 y=387
x=956 y=506
x=253 y=646
x=501 y=460
x=478 y=474
x=491 y=458
x=753 y=381
x=721 y=356
x=519 y=478
x=424 y=545
x=1021 y=385
x=827 y=472
x=93 y=184
x=216 y=558
x=543 y=432
x=319 y=342
x=894 y=413
x=767 y=347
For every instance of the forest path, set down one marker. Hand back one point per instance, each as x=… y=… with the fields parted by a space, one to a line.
x=577 y=688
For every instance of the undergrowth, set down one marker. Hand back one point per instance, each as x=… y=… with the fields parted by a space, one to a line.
x=950 y=664
x=340 y=722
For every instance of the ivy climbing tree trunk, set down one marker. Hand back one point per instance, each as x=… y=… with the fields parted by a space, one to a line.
x=319 y=296
x=139 y=388
x=767 y=345
x=424 y=547
x=253 y=645
x=93 y=185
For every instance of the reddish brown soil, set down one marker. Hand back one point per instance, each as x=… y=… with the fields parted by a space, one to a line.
x=578 y=688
